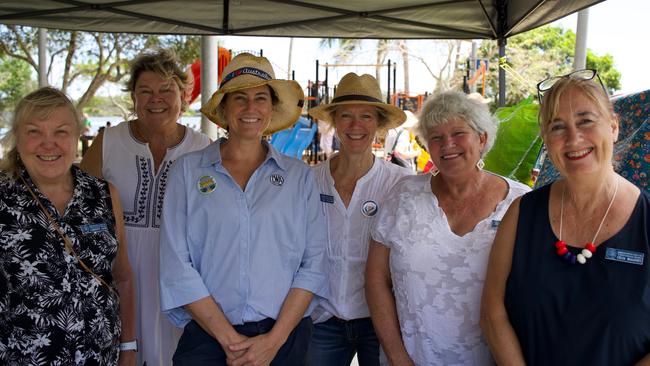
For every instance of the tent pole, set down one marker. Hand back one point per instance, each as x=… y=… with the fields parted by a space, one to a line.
x=395 y=81
x=580 y=59
x=209 y=80
x=42 y=57
x=502 y=73
x=326 y=81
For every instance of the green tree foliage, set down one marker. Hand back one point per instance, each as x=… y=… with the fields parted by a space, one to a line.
x=187 y=48
x=88 y=60
x=15 y=81
x=538 y=54
x=608 y=74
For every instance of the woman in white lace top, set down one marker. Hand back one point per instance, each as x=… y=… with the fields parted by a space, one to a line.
x=431 y=242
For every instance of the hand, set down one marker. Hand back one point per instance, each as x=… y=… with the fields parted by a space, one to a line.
x=257 y=351
x=230 y=354
x=126 y=358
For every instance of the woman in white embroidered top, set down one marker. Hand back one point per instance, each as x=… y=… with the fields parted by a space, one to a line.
x=136 y=156
x=353 y=184
x=431 y=242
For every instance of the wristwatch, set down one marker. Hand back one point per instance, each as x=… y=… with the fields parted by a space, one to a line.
x=129 y=346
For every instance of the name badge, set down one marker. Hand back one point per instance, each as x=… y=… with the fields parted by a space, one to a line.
x=326 y=198
x=495 y=224
x=625 y=256
x=93 y=228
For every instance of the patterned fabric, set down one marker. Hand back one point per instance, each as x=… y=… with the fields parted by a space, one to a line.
x=128 y=164
x=632 y=151
x=437 y=275
x=52 y=312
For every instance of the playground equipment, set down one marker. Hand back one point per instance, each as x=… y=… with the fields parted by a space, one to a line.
x=194 y=70
x=407 y=102
x=480 y=73
x=295 y=140
x=392 y=72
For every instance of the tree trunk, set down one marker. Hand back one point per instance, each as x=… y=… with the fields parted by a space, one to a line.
x=403 y=47
x=382 y=51
x=72 y=48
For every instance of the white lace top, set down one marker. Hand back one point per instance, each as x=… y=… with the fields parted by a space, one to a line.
x=437 y=276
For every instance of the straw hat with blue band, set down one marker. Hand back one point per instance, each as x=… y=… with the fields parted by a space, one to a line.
x=248 y=71
x=355 y=89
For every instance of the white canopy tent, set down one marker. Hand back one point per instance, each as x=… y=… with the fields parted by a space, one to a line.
x=387 y=19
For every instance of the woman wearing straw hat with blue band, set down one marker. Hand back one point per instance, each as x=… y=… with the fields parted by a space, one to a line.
x=243 y=240
x=353 y=184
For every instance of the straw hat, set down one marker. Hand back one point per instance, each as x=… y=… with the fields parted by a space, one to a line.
x=355 y=89
x=248 y=71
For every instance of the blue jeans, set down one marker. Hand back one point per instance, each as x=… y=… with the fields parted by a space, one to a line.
x=197 y=348
x=335 y=342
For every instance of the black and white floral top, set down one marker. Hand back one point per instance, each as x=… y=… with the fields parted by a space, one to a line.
x=52 y=312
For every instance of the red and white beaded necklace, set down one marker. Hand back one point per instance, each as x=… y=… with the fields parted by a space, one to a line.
x=590 y=248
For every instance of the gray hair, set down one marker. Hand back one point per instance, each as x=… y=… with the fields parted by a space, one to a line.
x=441 y=107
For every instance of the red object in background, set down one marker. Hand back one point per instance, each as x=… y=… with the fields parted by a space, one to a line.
x=429 y=165
x=195 y=68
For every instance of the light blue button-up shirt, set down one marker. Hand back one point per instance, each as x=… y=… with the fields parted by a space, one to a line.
x=246 y=249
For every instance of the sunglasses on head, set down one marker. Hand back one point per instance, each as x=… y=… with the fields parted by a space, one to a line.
x=585 y=74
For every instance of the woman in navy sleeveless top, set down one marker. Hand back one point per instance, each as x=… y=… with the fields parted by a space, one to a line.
x=568 y=281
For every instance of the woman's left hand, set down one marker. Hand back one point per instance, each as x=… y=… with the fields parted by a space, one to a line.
x=259 y=350
x=127 y=358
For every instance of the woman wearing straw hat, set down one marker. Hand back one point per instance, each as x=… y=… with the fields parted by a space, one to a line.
x=352 y=184
x=243 y=240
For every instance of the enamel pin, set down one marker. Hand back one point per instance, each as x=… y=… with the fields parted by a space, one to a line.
x=206 y=184
x=369 y=208
x=277 y=179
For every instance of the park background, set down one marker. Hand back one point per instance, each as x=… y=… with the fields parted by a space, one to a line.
x=92 y=67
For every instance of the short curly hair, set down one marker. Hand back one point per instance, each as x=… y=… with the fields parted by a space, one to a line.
x=441 y=107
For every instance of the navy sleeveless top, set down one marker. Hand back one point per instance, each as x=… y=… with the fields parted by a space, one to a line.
x=592 y=314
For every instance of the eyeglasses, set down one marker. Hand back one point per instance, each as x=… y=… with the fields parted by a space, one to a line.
x=585 y=74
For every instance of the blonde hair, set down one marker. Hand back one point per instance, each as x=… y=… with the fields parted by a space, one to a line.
x=591 y=89
x=39 y=103
x=164 y=63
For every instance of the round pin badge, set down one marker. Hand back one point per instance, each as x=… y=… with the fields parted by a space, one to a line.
x=206 y=184
x=277 y=179
x=369 y=208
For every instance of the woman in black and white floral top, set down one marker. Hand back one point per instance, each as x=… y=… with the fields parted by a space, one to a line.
x=62 y=257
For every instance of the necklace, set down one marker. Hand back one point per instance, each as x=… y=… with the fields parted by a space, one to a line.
x=590 y=248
